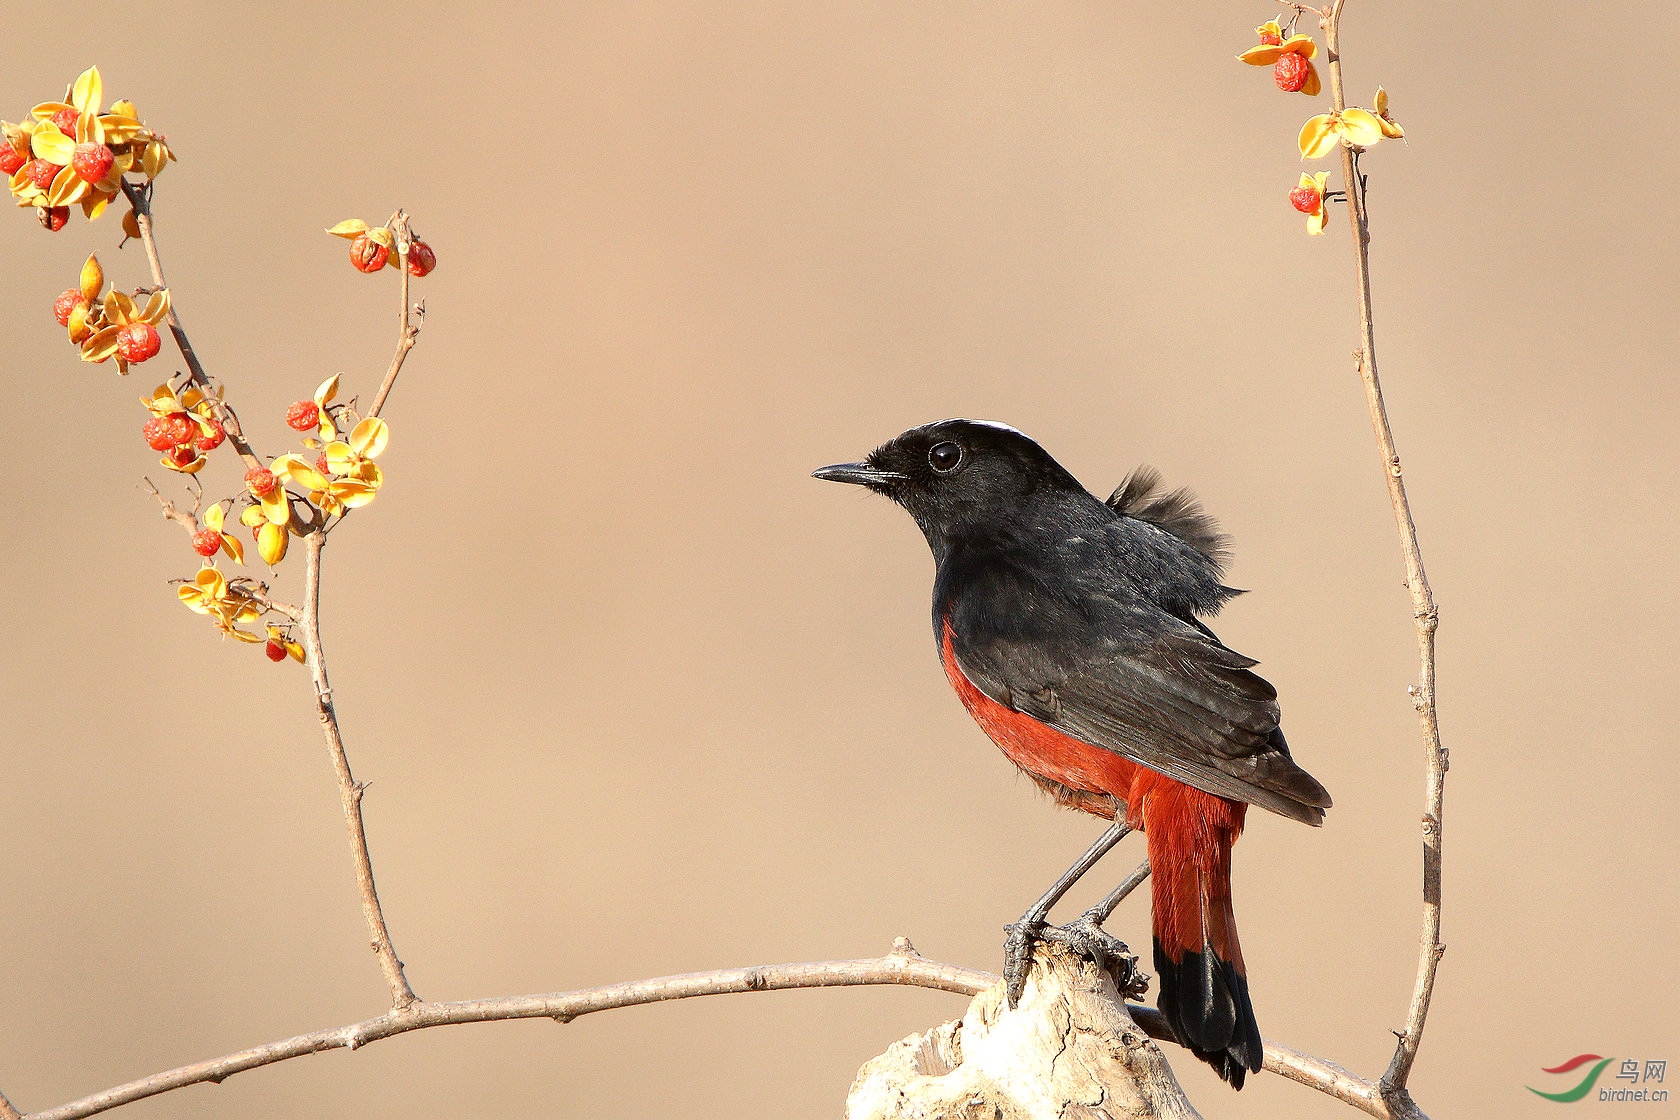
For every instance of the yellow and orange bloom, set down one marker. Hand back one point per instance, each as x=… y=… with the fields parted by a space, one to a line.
x=210 y=593
x=213 y=520
x=119 y=311
x=279 y=637
x=1290 y=59
x=1355 y=127
x=52 y=134
x=83 y=320
x=1308 y=198
x=1390 y=129
x=352 y=478
x=271 y=535
x=324 y=393
x=163 y=403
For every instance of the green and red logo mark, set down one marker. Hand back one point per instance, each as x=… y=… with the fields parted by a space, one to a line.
x=1586 y=1084
x=1631 y=1070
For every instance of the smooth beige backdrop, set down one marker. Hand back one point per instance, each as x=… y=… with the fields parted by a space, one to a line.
x=635 y=695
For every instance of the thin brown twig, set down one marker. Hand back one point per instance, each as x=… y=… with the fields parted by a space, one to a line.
x=407 y=330
x=1424 y=613
x=902 y=966
x=350 y=790
x=140 y=200
x=186 y=520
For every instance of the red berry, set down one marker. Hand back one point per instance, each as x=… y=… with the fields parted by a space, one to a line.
x=66 y=303
x=180 y=429
x=1290 y=72
x=207 y=542
x=421 y=259
x=10 y=158
x=41 y=173
x=368 y=255
x=260 y=481
x=1270 y=38
x=214 y=439
x=276 y=649
x=321 y=466
x=56 y=218
x=1305 y=199
x=156 y=432
x=66 y=120
x=138 y=342
x=92 y=161
x=182 y=455
x=303 y=415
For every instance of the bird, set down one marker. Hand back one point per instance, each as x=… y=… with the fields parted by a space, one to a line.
x=1073 y=630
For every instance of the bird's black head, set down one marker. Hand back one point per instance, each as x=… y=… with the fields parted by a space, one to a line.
x=959 y=477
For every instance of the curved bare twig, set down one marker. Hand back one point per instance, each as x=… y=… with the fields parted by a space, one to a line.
x=902 y=966
x=1424 y=613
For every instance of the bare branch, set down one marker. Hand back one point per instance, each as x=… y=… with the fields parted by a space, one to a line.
x=407 y=331
x=186 y=520
x=139 y=197
x=350 y=791
x=1424 y=613
x=903 y=966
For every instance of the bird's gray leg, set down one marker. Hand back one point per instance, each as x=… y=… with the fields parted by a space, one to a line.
x=1086 y=936
x=1017 y=943
x=1099 y=913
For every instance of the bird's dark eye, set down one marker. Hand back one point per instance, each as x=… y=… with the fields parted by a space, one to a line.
x=944 y=457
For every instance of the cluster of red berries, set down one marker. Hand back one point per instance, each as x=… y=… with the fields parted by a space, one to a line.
x=368 y=255
x=375 y=247
x=182 y=437
x=77 y=151
x=136 y=342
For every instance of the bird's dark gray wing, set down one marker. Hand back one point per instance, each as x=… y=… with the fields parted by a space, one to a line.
x=1156 y=690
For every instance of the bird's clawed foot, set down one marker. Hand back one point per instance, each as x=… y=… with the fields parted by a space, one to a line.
x=1085 y=936
x=1018 y=938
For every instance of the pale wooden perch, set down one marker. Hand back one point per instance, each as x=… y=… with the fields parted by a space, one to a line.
x=1069 y=1051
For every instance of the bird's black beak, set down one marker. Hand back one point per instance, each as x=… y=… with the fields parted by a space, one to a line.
x=859 y=474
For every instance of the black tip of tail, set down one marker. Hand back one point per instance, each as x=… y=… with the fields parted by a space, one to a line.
x=1205 y=1001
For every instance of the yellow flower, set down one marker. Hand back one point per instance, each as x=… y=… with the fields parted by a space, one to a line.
x=1308 y=198
x=213 y=518
x=211 y=594
x=1287 y=73
x=1389 y=128
x=352 y=479
x=271 y=537
x=324 y=393
x=280 y=638
x=1357 y=128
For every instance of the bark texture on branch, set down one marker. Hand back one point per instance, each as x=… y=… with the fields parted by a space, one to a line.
x=1069 y=1051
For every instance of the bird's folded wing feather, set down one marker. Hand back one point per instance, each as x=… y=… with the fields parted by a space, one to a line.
x=1167 y=696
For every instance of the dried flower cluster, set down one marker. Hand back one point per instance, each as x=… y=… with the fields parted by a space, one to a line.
x=73 y=151
x=1290 y=56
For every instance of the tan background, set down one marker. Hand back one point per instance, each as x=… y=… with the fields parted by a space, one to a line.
x=637 y=696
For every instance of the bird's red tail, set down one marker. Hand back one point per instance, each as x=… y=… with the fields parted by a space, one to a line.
x=1203 y=982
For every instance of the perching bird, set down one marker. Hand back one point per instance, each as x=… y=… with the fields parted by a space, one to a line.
x=1071 y=630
